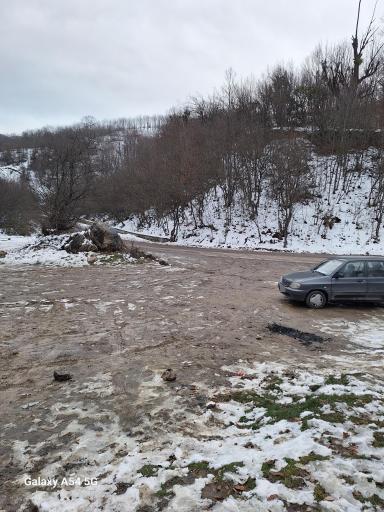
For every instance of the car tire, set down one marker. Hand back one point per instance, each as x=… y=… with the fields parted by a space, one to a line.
x=316 y=299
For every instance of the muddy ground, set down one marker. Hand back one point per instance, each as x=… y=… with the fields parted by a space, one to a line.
x=209 y=308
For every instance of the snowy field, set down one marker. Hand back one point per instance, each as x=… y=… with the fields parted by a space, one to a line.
x=39 y=250
x=12 y=243
x=272 y=436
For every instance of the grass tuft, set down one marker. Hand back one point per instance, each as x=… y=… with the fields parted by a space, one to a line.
x=149 y=470
x=378 y=440
x=343 y=380
x=314 y=403
x=319 y=493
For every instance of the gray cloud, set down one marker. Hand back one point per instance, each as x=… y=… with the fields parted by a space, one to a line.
x=64 y=59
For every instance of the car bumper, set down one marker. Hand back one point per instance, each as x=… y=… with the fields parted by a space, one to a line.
x=292 y=294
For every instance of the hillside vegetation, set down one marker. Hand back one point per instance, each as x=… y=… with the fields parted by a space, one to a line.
x=294 y=160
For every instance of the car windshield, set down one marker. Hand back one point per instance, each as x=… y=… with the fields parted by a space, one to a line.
x=328 y=267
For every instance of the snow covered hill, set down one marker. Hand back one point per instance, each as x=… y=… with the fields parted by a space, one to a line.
x=340 y=222
x=17 y=166
x=11 y=172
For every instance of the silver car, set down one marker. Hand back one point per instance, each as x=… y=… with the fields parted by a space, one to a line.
x=344 y=278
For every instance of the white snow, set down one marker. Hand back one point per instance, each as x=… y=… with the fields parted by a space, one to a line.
x=337 y=454
x=11 y=172
x=14 y=242
x=47 y=250
x=367 y=331
x=35 y=250
x=130 y=238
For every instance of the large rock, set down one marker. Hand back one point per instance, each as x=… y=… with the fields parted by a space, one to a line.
x=74 y=244
x=79 y=242
x=105 y=238
x=98 y=238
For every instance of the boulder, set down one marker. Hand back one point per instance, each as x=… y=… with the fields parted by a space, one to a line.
x=79 y=242
x=75 y=243
x=3 y=254
x=106 y=239
x=168 y=375
x=98 y=238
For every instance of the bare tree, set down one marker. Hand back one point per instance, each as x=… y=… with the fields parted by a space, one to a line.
x=64 y=172
x=376 y=199
x=367 y=51
x=290 y=182
x=18 y=207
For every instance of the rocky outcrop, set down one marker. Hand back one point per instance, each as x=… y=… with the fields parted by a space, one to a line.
x=98 y=238
x=79 y=242
x=106 y=239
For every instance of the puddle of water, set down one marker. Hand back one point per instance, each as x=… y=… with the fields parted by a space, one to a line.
x=367 y=332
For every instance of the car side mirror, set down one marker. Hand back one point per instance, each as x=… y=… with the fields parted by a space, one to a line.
x=338 y=275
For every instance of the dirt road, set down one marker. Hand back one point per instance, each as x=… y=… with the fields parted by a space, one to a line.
x=208 y=309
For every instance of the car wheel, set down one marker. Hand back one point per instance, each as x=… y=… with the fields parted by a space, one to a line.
x=316 y=299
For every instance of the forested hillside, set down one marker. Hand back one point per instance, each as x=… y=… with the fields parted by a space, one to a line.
x=295 y=159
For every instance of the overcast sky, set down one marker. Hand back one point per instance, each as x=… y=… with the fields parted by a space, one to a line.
x=63 y=59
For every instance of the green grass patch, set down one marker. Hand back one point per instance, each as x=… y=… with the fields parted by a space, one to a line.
x=374 y=500
x=360 y=420
x=378 y=440
x=165 y=491
x=166 y=488
x=304 y=423
x=273 y=382
x=311 y=457
x=227 y=468
x=319 y=493
x=291 y=475
x=312 y=403
x=250 y=484
x=266 y=467
x=343 y=380
x=348 y=479
x=202 y=468
x=334 y=417
x=149 y=470
x=199 y=469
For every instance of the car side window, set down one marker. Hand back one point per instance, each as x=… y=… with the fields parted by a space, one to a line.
x=353 y=269
x=375 y=268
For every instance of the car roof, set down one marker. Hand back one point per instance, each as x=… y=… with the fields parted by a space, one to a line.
x=352 y=258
